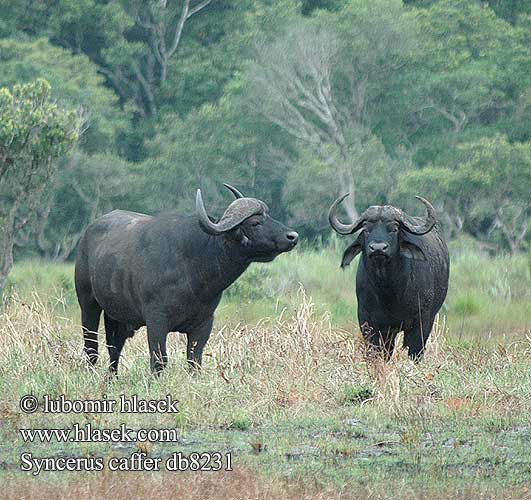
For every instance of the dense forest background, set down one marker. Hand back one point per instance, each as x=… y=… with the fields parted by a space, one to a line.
x=294 y=102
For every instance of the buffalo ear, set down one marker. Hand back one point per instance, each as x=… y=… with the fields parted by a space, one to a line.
x=410 y=250
x=239 y=236
x=242 y=238
x=245 y=242
x=351 y=252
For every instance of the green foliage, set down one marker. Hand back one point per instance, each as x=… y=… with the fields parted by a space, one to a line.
x=75 y=82
x=86 y=187
x=372 y=169
x=469 y=80
x=487 y=168
x=293 y=102
x=353 y=394
x=34 y=131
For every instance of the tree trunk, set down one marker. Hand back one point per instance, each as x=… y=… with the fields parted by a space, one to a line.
x=6 y=257
x=347 y=182
x=346 y=185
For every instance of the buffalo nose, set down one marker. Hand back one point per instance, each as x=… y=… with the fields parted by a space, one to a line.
x=292 y=236
x=378 y=246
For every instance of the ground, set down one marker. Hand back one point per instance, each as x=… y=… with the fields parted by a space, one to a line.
x=288 y=391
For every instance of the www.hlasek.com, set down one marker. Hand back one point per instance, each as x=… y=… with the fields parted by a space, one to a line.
x=87 y=433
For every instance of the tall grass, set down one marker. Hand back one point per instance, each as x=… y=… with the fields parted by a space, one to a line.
x=286 y=373
x=301 y=388
x=488 y=297
x=278 y=366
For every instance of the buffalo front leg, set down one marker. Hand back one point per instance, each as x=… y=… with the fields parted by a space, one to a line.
x=378 y=340
x=415 y=338
x=197 y=339
x=157 y=335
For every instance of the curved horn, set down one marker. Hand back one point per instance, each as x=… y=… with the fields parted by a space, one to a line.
x=234 y=191
x=206 y=224
x=339 y=227
x=431 y=219
x=236 y=213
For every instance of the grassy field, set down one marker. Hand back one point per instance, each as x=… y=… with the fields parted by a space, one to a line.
x=487 y=297
x=286 y=388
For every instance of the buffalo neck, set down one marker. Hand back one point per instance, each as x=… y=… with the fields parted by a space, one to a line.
x=384 y=275
x=220 y=264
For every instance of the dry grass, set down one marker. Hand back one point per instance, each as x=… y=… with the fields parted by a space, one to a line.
x=295 y=371
x=287 y=363
x=235 y=485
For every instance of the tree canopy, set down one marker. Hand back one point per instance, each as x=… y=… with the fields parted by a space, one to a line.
x=34 y=131
x=295 y=102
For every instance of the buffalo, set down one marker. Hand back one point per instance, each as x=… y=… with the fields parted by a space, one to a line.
x=168 y=272
x=402 y=276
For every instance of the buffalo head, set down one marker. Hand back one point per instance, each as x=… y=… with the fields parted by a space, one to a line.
x=246 y=222
x=386 y=232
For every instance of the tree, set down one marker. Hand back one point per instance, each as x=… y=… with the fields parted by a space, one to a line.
x=138 y=64
x=510 y=10
x=485 y=192
x=86 y=187
x=321 y=82
x=34 y=131
x=469 y=77
x=74 y=79
x=309 y=6
x=311 y=177
x=192 y=153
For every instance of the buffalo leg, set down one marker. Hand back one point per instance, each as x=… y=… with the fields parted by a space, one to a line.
x=197 y=339
x=116 y=334
x=157 y=335
x=378 y=340
x=389 y=345
x=90 y=320
x=416 y=337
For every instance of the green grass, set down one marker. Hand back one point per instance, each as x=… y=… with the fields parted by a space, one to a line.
x=287 y=388
x=293 y=398
x=488 y=297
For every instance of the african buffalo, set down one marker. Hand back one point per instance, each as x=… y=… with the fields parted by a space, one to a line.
x=402 y=276
x=168 y=272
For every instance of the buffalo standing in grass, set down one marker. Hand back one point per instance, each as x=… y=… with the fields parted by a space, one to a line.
x=168 y=272
x=402 y=276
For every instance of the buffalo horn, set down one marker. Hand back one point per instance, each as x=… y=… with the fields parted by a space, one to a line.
x=236 y=213
x=339 y=227
x=428 y=224
x=234 y=191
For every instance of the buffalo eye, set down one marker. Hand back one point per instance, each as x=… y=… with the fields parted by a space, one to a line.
x=255 y=222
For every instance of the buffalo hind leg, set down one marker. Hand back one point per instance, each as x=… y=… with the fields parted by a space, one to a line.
x=90 y=320
x=116 y=334
x=157 y=335
x=197 y=339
